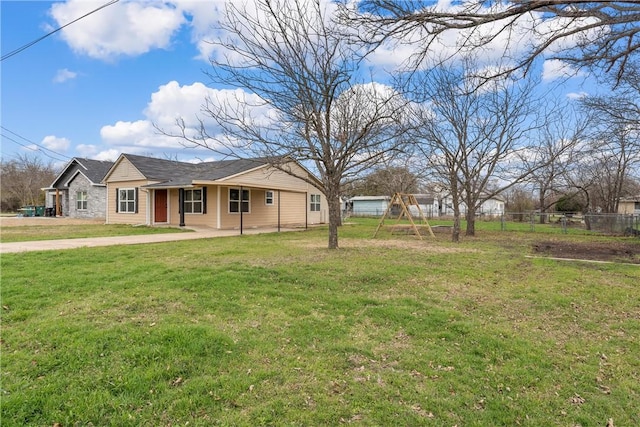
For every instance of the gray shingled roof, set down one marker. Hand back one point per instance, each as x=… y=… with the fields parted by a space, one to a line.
x=94 y=170
x=173 y=172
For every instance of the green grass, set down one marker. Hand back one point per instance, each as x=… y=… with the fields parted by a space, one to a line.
x=55 y=232
x=277 y=330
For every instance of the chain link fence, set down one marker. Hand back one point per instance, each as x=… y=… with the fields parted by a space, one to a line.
x=615 y=224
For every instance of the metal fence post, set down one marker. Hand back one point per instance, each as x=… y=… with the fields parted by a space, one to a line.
x=532 y=221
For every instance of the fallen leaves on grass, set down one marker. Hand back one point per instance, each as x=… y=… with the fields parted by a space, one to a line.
x=577 y=400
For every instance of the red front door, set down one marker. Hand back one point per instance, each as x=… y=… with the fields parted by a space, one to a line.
x=161 y=205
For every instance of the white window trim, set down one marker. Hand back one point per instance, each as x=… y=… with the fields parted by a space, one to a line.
x=266 y=197
x=85 y=200
x=201 y=201
x=119 y=199
x=313 y=203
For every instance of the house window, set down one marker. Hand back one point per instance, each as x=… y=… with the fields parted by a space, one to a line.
x=81 y=200
x=315 y=203
x=268 y=197
x=193 y=201
x=127 y=200
x=235 y=202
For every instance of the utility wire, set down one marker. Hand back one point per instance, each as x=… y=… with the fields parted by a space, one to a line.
x=40 y=148
x=33 y=149
x=28 y=45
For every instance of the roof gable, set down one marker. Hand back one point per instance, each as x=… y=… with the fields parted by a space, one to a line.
x=176 y=173
x=93 y=170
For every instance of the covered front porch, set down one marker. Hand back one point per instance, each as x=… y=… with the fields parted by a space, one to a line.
x=231 y=207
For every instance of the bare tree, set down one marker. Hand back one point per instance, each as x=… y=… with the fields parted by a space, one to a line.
x=385 y=181
x=519 y=199
x=558 y=143
x=615 y=141
x=22 y=180
x=299 y=96
x=473 y=140
x=605 y=35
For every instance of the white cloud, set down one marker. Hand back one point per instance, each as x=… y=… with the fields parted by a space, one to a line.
x=122 y=29
x=553 y=69
x=202 y=15
x=506 y=47
x=170 y=103
x=93 y=152
x=111 y=155
x=577 y=95
x=63 y=75
x=131 y=28
x=56 y=144
x=86 y=150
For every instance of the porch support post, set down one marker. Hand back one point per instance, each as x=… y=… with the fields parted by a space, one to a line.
x=58 y=206
x=181 y=205
x=278 y=211
x=241 y=208
x=306 y=210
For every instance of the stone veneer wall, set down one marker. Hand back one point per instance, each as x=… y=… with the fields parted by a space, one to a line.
x=96 y=199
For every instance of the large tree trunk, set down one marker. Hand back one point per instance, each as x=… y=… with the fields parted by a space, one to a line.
x=335 y=218
x=543 y=209
x=455 y=234
x=471 y=220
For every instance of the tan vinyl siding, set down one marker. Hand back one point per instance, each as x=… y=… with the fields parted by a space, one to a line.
x=209 y=219
x=125 y=171
x=114 y=217
x=272 y=178
x=292 y=210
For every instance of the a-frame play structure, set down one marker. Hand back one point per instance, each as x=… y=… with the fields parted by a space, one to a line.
x=403 y=201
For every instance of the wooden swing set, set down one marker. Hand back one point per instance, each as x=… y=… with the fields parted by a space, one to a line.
x=403 y=201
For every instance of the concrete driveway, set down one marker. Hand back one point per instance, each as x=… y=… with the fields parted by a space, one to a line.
x=49 y=245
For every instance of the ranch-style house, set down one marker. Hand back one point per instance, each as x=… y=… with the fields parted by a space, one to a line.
x=227 y=194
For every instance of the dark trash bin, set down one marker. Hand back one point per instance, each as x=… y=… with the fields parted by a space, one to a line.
x=39 y=210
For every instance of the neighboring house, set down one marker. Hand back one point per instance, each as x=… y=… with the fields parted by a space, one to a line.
x=78 y=191
x=629 y=205
x=369 y=205
x=493 y=206
x=428 y=205
x=228 y=194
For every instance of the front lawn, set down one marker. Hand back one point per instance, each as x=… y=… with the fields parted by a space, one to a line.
x=55 y=232
x=275 y=329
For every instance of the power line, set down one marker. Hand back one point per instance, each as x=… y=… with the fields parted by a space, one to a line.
x=42 y=149
x=32 y=149
x=28 y=45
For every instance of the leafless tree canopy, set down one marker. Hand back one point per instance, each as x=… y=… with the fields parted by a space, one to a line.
x=300 y=94
x=559 y=148
x=605 y=35
x=614 y=145
x=21 y=181
x=473 y=140
x=385 y=181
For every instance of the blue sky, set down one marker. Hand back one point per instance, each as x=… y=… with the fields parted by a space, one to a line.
x=96 y=88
